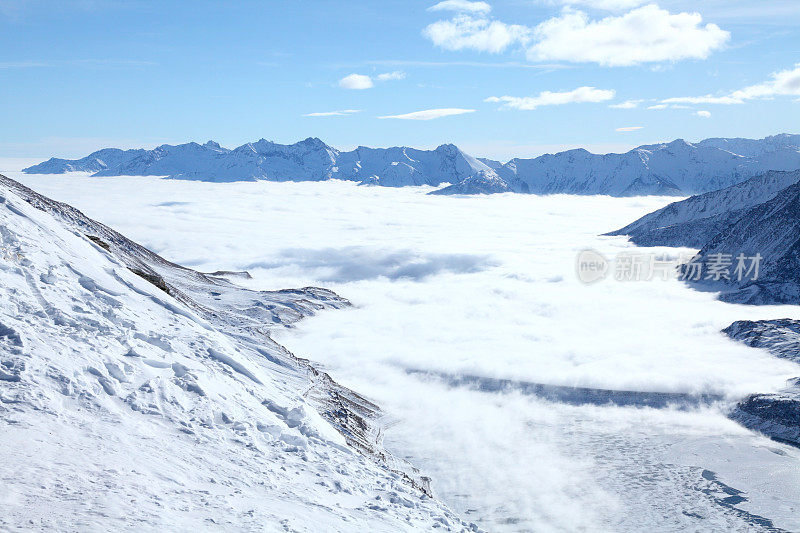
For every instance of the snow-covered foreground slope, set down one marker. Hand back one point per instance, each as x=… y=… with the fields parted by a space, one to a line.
x=675 y=168
x=465 y=311
x=139 y=395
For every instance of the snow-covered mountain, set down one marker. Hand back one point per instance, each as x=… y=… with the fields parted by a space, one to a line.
x=483 y=182
x=138 y=394
x=776 y=415
x=94 y=162
x=772 y=230
x=307 y=160
x=676 y=168
x=695 y=221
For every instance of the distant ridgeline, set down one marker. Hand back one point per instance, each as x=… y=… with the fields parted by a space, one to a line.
x=676 y=168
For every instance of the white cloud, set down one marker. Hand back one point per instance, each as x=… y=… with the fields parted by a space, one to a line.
x=462 y=6
x=782 y=83
x=356 y=82
x=629 y=104
x=608 y=5
x=430 y=114
x=342 y=113
x=629 y=128
x=708 y=99
x=645 y=35
x=658 y=106
x=362 y=81
x=703 y=114
x=464 y=32
x=396 y=75
x=545 y=98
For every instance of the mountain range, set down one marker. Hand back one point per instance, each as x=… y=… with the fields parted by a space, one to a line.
x=675 y=168
x=307 y=160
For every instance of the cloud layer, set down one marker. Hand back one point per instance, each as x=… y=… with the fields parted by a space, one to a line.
x=527 y=319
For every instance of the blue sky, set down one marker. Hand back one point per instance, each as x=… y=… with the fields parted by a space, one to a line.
x=527 y=76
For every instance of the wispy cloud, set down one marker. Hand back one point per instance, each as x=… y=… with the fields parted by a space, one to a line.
x=629 y=128
x=608 y=5
x=85 y=63
x=781 y=83
x=548 y=98
x=396 y=75
x=703 y=114
x=477 y=64
x=342 y=113
x=362 y=81
x=462 y=6
x=430 y=114
x=629 y=104
x=23 y=64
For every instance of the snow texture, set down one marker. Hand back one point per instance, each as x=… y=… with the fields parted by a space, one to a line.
x=136 y=394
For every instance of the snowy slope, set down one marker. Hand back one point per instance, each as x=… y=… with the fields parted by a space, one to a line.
x=396 y=167
x=771 y=229
x=753 y=147
x=136 y=394
x=483 y=182
x=695 y=221
x=94 y=162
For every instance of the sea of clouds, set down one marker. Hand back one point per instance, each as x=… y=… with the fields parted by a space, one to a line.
x=485 y=287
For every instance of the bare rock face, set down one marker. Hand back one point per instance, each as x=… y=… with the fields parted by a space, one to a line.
x=775 y=415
